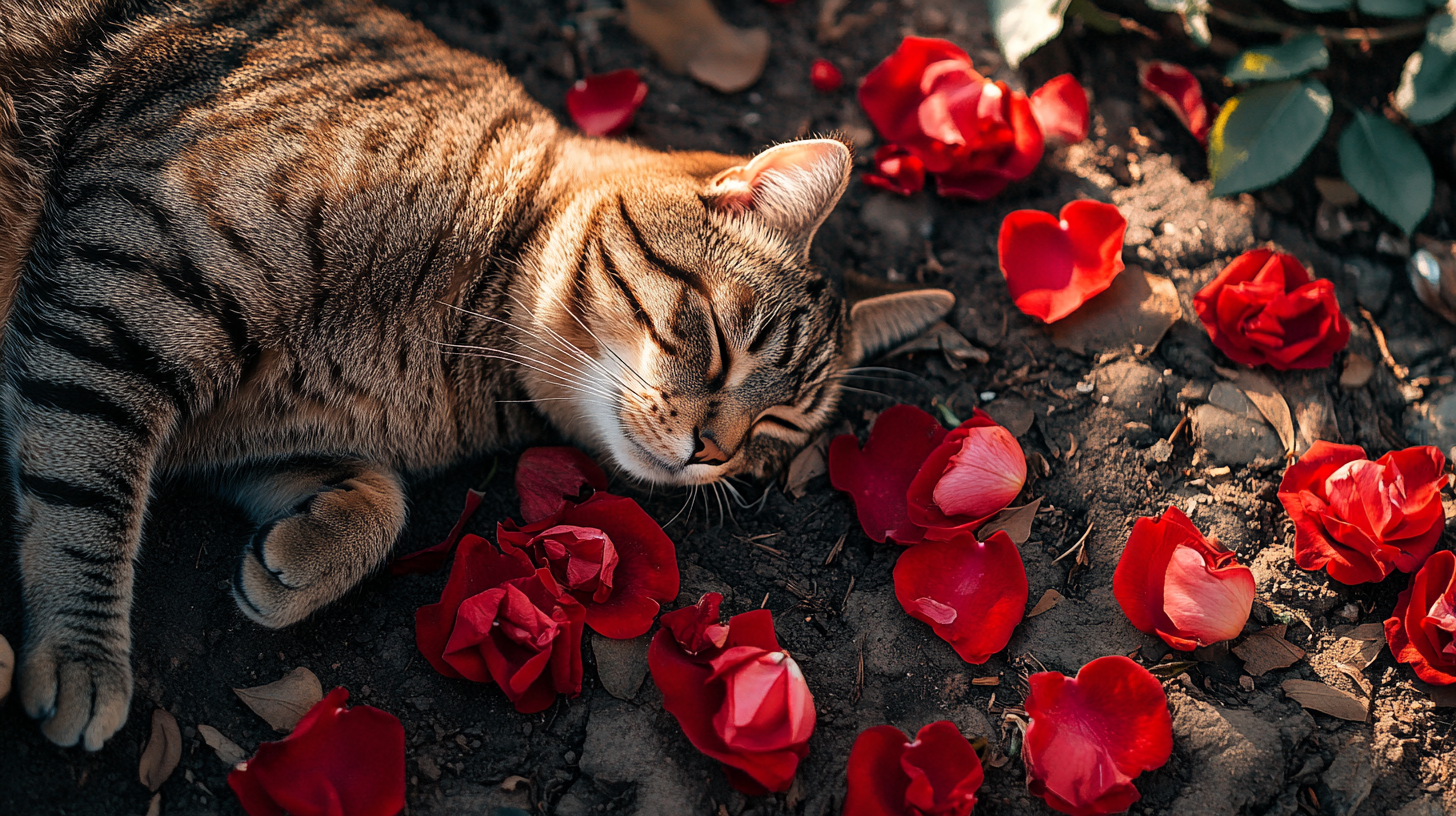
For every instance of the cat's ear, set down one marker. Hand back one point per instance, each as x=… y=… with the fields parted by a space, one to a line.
x=880 y=323
x=790 y=188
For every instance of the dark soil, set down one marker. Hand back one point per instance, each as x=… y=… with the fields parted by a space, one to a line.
x=1241 y=747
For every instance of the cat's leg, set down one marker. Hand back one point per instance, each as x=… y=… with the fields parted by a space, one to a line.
x=322 y=528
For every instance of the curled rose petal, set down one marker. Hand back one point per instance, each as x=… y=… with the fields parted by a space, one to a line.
x=1177 y=87
x=1173 y=582
x=548 y=478
x=1054 y=265
x=972 y=593
x=1060 y=107
x=896 y=171
x=939 y=773
x=1089 y=737
x=1422 y=631
x=825 y=76
x=1361 y=520
x=433 y=557
x=337 y=762
x=1264 y=308
x=603 y=104
x=878 y=476
x=972 y=475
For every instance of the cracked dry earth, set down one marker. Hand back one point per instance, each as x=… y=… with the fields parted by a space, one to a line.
x=1100 y=421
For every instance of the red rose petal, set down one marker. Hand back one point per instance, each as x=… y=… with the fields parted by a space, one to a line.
x=896 y=171
x=1178 y=88
x=825 y=76
x=1053 y=266
x=973 y=474
x=548 y=478
x=1060 y=107
x=336 y=762
x=478 y=566
x=1422 y=631
x=603 y=104
x=981 y=177
x=939 y=773
x=878 y=476
x=972 y=593
x=433 y=557
x=1089 y=737
x=695 y=628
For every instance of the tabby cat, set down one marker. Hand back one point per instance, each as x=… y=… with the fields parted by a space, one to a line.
x=303 y=248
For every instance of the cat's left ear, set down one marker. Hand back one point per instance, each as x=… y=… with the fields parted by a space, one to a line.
x=790 y=188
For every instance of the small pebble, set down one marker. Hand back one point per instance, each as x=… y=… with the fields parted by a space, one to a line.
x=987 y=396
x=570 y=757
x=1085 y=387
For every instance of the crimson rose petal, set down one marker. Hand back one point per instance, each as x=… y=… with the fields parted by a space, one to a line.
x=896 y=171
x=939 y=773
x=603 y=104
x=478 y=566
x=878 y=476
x=973 y=474
x=1054 y=265
x=433 y=557
x=1422 y=632
x=1089 y=737
x=1060 y=107
x=972 y=593
x=1177 y=87
x=336 y=762
x=548 y=478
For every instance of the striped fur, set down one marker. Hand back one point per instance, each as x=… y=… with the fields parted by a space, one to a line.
x=304 y=249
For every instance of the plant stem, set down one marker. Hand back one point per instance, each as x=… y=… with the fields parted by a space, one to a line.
x=1399 y=31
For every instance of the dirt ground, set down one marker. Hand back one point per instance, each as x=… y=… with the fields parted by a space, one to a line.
x=1241 y=747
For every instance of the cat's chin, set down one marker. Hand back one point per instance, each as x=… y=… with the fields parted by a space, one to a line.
x=639 y=462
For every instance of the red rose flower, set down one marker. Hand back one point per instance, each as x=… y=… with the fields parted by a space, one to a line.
x=1060 y=108
x=337 y=762
x=1090 y=737
x=1177 y=87
x=973 y=134
x=502 y=620
x=896 y=171
x=972 y=593
x=1423 y=630
x=936 y=775
x=1360 y=520
x=547 y=479
x=825 y=76
x=878 y=476
x=1264 y=308
x=1054 y=265
x=739 y=698
x=609 y=555
x=1178 y=585
x=972 y=475
x=603 y=104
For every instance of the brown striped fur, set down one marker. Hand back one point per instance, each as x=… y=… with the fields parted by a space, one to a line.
x=304 y=248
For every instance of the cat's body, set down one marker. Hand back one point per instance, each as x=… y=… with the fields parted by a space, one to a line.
x=303 y=248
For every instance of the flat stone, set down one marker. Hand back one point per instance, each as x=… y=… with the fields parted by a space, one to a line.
x=1346 y=785
x=623 y=746
x=1132 y=387
x=1235 y=757
x=1424 y=806
x=1231 y=439
x=621 y=664
x=1231 y=399
x=1372 y=282
x=1433 y=421
x=1015 y=415
x=1134 y=312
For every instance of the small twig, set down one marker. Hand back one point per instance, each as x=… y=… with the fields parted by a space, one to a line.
x=845 y=603
x=834 y=552
x=858 y=674
x=1397 y=369
x=766 y=548
x=1076 y=546
x=765 y=601
x=1399 y=31
x=1178 y=429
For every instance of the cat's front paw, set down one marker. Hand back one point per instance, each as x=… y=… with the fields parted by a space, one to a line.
x=80 y=693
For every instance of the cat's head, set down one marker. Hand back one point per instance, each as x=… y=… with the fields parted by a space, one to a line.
x=680 y=327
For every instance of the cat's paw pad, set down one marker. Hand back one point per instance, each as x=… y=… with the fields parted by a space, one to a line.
x=78 y=694
x=284 y=576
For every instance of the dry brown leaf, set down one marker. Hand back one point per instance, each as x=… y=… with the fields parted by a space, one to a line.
x=1049 y=599
x=1267 y=650
x=7 y=667
x=942 y=338
x=832 y=27
x=795 y=795
x=1136 y=310
x=690 y=38
x=1326 y=699
x=227 y=750
x=154 y=807
x=162 y=752
x=284 y=701
x=807 y=465
x=510 y=783
x=1266 y=397
x=1363 y=644
x=1016 y=521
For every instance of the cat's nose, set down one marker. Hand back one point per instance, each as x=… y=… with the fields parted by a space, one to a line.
x=706 y=450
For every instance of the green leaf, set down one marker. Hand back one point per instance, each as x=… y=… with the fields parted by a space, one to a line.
x=1386 y=166
x=1427 y=89
x=1270 y=63
x=1022 y=26
x=1319 y=5
x=1095 y=18
x=1393 y=8
x=1264 y=133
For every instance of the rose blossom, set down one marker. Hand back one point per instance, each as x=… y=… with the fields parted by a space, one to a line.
x=973 y=134
x=1173 y=582
x=1359 y=519
x=337 y=762
x=936 y=775
x=738 y=696
x=1089 y=737
x=609 y=555
x=1264 y=308
x=1422 y=632
x=972 y=475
